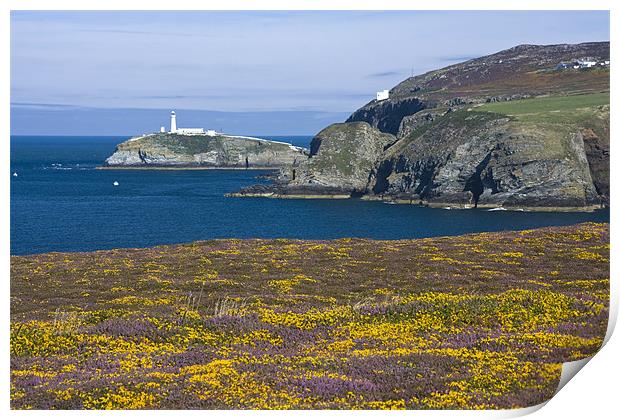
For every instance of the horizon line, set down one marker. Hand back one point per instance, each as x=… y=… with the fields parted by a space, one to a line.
x=51 y=106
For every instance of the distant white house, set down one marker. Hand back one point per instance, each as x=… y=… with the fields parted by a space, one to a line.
x=383 y=95
x=585 y=64
x=211 y=133
x=581 y=64
x=162 y=129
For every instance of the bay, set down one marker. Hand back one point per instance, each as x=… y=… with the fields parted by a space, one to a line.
x=61 y=202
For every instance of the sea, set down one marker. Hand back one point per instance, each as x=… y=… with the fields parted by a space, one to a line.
x=61 y=202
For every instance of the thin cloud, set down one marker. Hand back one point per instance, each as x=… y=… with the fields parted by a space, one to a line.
x=133 y=32
x=383 y=74
x=179 y=97
x=458 y=58
x=262 y=93
x=48 y=107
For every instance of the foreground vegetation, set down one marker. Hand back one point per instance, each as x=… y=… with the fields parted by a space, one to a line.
x=477 y=321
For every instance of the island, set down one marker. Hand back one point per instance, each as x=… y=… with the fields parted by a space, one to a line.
x=167 y=150
x=526 y=128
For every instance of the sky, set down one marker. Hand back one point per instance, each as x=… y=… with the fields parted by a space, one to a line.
x=107 y=73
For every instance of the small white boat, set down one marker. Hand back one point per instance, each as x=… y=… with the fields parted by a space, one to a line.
x=115 y=183
x=14 y=173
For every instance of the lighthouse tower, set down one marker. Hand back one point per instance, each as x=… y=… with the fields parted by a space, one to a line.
x=173 y=122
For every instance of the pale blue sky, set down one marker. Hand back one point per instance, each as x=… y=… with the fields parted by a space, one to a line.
x=328 y=63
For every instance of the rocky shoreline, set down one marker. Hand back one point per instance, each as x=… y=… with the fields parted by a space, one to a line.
x=282 y=193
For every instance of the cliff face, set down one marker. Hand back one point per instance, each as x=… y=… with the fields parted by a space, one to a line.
x=387 y=115
x=505 y=130
x=471 y=158
x=211 y=151
x=596 y=143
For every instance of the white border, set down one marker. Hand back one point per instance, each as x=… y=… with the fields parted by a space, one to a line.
x=592 y=395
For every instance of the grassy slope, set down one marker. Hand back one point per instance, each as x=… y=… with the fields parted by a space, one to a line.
x=550 y=109
x=457 y=322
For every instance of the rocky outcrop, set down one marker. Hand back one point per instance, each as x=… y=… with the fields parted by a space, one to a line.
x=346 y=154
x=173 y=150
x=410 y=123
x=345 y=158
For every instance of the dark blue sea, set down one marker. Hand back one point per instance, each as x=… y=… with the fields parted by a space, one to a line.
x=60 y=202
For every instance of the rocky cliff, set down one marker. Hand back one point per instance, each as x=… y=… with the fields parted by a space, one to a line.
x=478 y=158
x=346 y=152
x=507 y=130
x=166 y=150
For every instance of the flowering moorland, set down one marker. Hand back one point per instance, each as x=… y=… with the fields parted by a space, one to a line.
x=476 y=321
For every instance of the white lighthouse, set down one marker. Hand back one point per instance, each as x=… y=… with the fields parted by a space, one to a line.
x=173 y=122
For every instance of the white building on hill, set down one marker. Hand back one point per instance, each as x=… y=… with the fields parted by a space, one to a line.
x=383 y=95
x=584 y=64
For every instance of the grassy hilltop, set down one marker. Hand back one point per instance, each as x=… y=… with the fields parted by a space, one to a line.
x=476 y=321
